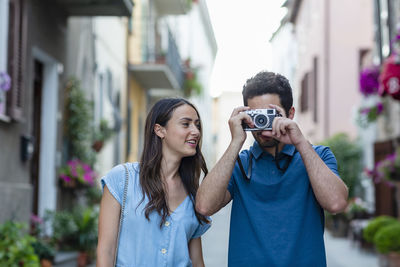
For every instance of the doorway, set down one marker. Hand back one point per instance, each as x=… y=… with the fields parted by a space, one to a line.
x=44 y=84
x=36 y=122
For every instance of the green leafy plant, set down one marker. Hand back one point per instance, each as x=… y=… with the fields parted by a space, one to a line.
x=191 y=84
x=93 y=195
x=86 y=222
x=16 y=246
x=387 y=239
x=101 y=135
x=79 y=124
x=44 y=250
x=367 y=115
x=63 y=227
x=348 y=155
x=74 y=230
x=104 y=131
x=375 y=225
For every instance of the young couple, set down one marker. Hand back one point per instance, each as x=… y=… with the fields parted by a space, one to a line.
x=279 y=189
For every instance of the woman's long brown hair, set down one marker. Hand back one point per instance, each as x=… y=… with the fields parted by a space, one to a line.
x=150 y=163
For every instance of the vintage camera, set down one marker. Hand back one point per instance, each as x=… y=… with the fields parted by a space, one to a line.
x=262 y=119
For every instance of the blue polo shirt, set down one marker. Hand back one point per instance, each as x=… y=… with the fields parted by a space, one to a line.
x=276 y=219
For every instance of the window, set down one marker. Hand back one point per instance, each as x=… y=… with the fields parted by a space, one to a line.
x=304 y=103
x=315 y=89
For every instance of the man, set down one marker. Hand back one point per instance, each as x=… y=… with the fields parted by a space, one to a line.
x=285 y=183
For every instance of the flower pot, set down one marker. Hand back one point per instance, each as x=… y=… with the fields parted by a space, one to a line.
x=97 y=145
x=391 y=259
x=45 y=263
x=83 y=259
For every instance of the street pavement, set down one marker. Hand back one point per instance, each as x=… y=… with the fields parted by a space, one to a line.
x=215 y=240
x=341 y=252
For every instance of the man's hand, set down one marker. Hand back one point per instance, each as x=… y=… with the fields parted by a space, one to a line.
x=284 y=129
x=235 y=124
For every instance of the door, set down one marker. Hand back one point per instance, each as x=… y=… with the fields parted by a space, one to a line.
x=36 y=133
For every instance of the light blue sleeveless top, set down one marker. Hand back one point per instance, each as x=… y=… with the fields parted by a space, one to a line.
x=143 y=242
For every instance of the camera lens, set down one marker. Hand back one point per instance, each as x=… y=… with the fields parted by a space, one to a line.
x=260 y=121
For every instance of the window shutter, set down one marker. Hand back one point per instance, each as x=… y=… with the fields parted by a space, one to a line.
x=16 y=50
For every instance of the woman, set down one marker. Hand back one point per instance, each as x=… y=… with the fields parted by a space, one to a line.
x=160 y=226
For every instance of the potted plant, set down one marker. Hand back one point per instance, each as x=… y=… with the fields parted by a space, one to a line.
x=16 y=246
x=191 y=85
x=387 y=242
x=79 y=123
x=44 y=251
x=42 y=246
x=388 y=171
x=63 y=228
x=86 y=234
x=375 y=225
x=101 y=135
x=369 y=114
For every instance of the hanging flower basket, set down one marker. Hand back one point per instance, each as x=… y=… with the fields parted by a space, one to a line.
x=76 y=174
x=5 y=81
x=369 y=114
x=387 y=170
x=369 y=80
x=390 y=77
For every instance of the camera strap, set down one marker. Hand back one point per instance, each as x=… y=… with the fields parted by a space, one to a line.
x=249 y=169
x=279 y=157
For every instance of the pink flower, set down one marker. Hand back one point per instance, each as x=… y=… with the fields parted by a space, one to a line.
x=88 y=178
x=36 y=219
x=365 y=111
x=5 y=81
x=65 y=177
x=86 y=167
x=379 y=107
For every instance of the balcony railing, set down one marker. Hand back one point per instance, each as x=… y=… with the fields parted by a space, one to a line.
x=97 y=7
x=174 y=61
x=160 y=71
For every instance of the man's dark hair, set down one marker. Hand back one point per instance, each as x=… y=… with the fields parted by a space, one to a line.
x=266 y=82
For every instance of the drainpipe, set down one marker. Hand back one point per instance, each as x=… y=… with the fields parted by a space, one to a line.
x=327 y=69
x=378 y=30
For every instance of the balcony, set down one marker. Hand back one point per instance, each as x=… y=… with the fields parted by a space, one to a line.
x=97 y=7
x=172 y=7
x=166 y=72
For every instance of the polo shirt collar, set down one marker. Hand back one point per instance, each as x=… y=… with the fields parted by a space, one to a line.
x=256 y=150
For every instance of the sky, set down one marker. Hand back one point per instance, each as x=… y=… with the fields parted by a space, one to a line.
x=242 y=30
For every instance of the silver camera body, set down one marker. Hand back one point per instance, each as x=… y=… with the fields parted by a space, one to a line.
x=262 y=119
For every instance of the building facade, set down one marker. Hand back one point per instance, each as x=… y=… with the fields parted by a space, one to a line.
x=166 y=42
x=34 y=52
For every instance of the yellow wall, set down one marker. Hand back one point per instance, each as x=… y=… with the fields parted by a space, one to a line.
x=137 y=97
x=135 y=37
